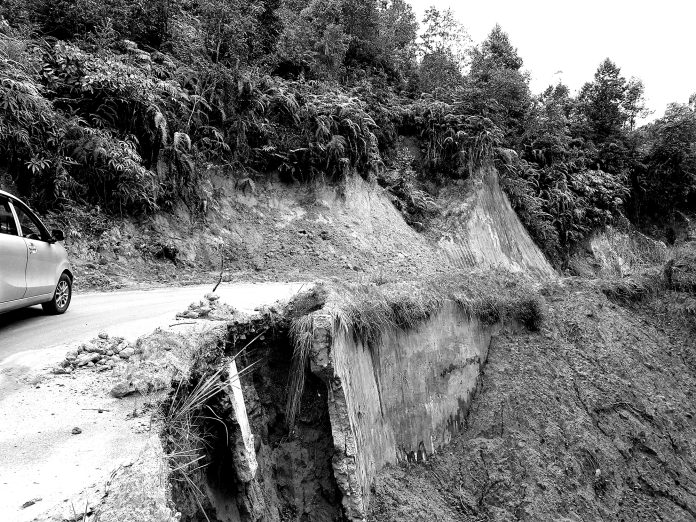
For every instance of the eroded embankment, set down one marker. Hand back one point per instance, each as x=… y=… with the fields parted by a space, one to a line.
x=399 y=401
x=292 y=417
x=232 y=456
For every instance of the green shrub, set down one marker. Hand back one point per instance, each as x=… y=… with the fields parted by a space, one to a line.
x=455 y=143
x=529 y=312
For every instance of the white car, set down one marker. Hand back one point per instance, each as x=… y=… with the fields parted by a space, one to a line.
x=34 y=266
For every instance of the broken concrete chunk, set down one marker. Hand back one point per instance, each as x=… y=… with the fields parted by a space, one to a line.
x=127 y=353
x=120 y=347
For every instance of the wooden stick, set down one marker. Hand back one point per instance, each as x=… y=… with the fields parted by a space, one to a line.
x=222 y=266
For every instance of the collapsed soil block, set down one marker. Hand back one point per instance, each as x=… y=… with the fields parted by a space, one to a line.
x=293 y=415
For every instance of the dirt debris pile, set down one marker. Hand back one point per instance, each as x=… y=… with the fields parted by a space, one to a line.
x=158 y=358
x=143 y=367
x=208 y=308
x=101 y=354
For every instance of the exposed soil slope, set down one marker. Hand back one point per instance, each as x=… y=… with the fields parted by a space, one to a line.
x=272 y=232
x=590 y=419
x=477 y=228
x=301 y=232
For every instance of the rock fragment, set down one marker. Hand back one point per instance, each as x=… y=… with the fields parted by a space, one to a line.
x=31 y=502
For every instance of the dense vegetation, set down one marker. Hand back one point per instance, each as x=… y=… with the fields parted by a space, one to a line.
x=130 y=104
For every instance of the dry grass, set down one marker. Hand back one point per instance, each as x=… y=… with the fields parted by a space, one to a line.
x=368 y=311
x=629 y=290
x=681 y=270
x=302 y=335
x=679 y=273
x=190 y=426
x=184 y=432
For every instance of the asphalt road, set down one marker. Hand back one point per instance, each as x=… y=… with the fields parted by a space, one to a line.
x=40 y=458
x=127 y=313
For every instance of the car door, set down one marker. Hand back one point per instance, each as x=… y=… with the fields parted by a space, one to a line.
x=42 y=258
x=13 y=256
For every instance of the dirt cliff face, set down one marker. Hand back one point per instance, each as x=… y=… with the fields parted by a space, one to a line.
x=590 y=419
x=399 y=401
x=477 y=228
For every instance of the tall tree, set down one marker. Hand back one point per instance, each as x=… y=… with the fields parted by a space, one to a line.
x=634 y=102
x=444 y=49
x=502 y=89
x=360 y=19
x=397 y=32
x=313 y=40
x=602 y=102
x=495 y=53
x=444 y=34
x=669 y=182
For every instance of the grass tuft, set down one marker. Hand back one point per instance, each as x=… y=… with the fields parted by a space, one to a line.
x=301 y=335
x=184 y=432
x=529 y=312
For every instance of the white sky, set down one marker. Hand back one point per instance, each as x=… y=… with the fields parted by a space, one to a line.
x=651 y=40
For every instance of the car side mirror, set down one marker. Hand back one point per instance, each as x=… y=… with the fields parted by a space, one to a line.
x=57 y=235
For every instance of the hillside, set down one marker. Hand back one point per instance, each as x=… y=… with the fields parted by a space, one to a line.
x=103 y=110
x=495 y=319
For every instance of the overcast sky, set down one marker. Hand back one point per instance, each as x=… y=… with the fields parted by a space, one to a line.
x=559 y=39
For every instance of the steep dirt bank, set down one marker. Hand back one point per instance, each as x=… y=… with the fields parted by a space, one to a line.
x=399 y=400
x=477 y=228
x=275 y=231
x=590 y=419
x=617 y=251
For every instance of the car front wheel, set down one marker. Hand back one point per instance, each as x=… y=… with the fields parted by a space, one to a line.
x=61 y=297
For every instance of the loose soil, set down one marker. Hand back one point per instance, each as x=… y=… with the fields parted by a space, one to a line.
x=278 y=232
